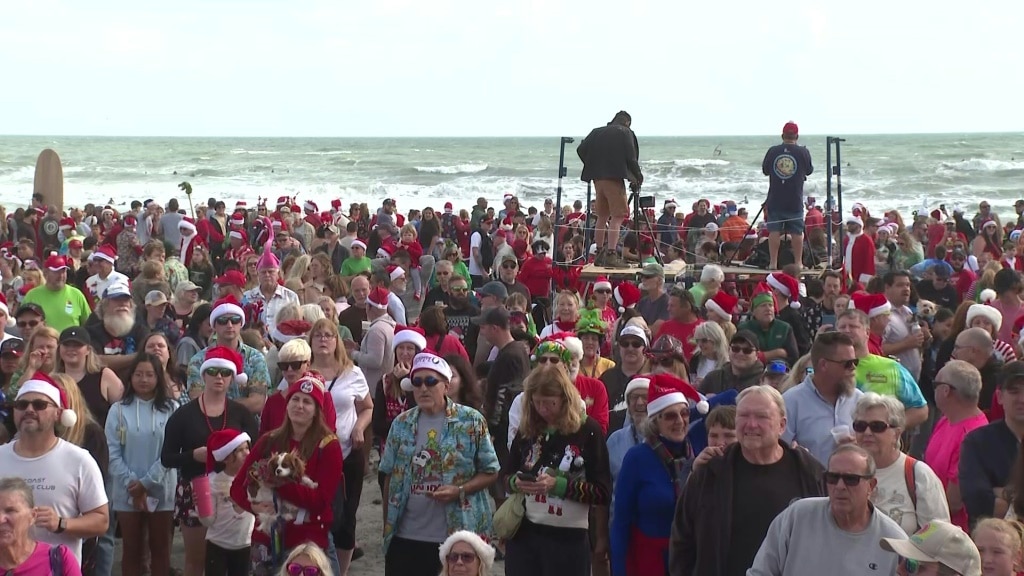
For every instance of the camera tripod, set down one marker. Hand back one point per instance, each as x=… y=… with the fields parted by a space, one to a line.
x=636 y=201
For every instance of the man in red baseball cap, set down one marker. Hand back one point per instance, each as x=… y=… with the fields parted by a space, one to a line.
x=787 y=166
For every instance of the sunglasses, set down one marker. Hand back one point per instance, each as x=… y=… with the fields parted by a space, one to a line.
x=222 y=372
x=548 y=360
x=876 y=426
x=631 y=344
x=742 y=349
x=295 y=365
x=910 y=566
x=847 y=364
x=464 y=557
x=37 y=405
x=430 y=381
x=225 y=320
x=849 y=480
x=602 y=291
x=509 y=266
x=665 y=361
x=296 y=569
x=28 y=324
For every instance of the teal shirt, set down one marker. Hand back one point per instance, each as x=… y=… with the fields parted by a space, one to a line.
x=466 y=450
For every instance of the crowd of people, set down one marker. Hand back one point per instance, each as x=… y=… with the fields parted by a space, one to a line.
x=233 y=377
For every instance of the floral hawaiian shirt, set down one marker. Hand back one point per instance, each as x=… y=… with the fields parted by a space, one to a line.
x=465 y=449
x=254 y=365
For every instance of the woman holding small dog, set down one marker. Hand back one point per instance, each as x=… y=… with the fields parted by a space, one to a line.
x=438 y=461
x=306 y=434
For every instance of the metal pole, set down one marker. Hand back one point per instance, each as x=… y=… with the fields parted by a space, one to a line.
x=839 y=189
x=562 y=170
x=828 y=195
x=588 y=230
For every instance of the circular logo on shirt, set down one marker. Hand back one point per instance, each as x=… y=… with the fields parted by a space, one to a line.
x=784 y=166
x=50 y=227
x=306 y=387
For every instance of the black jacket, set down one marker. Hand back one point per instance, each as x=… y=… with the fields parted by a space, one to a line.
x=721 y=379
x=610 y=153
x=702 y=528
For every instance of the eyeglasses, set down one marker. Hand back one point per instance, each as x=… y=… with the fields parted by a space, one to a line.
x=429 y=381
x=850 y=480
x=911 y=566
x=222 y=372
x=665 y=361
x=464 y=557
x=602 y=291
x=28 y=324
x=674 y=416
x=548 y=360
x=37 y=405
x=742 y=349
x=325 y=336
x=296 y=569
x=225 y=320
x=876 y=426
x=295 y=365
x=847 y=364
x=461 y=289
x=509 y=266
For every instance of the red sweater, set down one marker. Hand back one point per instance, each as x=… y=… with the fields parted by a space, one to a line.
x=595 y=395
x=447 y=344
x=324 y=468
x=415 y=252
x=567 y=277
x=275 y=408
x=535 y=274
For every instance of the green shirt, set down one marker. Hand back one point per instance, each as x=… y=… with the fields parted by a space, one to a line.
x=778 y=336
x=353 y=266
x=699 y=293
x=63 y=308
x=460 y=269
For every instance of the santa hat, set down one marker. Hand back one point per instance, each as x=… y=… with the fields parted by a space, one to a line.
x=310 y=206
x=670 y=204
x=410 y=335
x=296 y=209
x=3 y=304
x=310 y=383
x=241 y=235
x=639 y=382
x=230 y=278
x=276 y=223
x=336 y=203
x=227 y=305
x=187 y=223
x=988 y=295
x=858 y=210
x=221 y=444
x=722 y=303
x=282 y=201
x=378 y=298
x=602 y=283
x=237 y=220
x=484 y=551
x=224 y=357
x=104 y=252
x=448 y=207
x=665 y=390
x=395 y=272
x=627 y=295
x=56 y=263
x=855 y=220
x=985 y=311
x=67 y=223
x=241 y=206
x=787 y=285
x=41 y=383
x=507 y=197
x=267 y=260
x=871 y=304
x=426 y=360
x=387 y=249
x=358 y=244
x=290 y=330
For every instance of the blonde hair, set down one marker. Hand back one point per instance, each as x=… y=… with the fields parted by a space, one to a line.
x=341 y=356
x=288 y=312
x=796 y=374
x=33 y=277
x=76 y=403
x=410 y=229
x=41 y=331
x=313 y=552
x=551 y=381
x=294 y=351
x=1012 y=529
x=312 y=313
x=299 y=268
x=570 y=294
x=93 y=364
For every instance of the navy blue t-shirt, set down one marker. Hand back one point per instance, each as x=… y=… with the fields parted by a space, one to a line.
x=787 y=166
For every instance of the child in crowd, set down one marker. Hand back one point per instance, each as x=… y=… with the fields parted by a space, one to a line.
x=229 y=530
x=412 y=246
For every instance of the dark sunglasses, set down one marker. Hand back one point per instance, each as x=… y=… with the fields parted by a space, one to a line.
x=666 y=361
x=876 y=426
x=602 y=291
x=509 y=266
x=850 y=480
x=28 y=324
x=742 y=349
x=37 y=405
x=631 y=344
x=430 y=381
x=296 y=569
x=286 y=366
x=233 y=319
x=464 y=557
x=847 y=364
x=548 y=360
x=222 y=372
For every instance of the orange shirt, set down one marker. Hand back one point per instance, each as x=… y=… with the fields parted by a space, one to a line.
x=733 y=229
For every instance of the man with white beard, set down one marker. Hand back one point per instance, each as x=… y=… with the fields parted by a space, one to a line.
x=116 y=337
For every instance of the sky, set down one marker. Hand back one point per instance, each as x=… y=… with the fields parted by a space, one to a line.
x=507 y=68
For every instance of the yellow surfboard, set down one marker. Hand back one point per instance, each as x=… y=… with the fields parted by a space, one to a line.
x=49 y=180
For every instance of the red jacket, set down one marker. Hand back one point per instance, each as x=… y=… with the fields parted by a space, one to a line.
x=535 y=274
x=462 y=232
x=324 y=468
x=814 y=219
x=859 y=262
x=566 y=277
x=595 y=395
x=415 y=252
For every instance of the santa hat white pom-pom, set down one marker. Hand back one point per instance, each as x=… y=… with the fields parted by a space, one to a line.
x=407 y=385
x=241 y=378
x=795 y=305
x=533 y=357
x=987 y=295
x=68 y=418
x=703 y=407
x=621 y=309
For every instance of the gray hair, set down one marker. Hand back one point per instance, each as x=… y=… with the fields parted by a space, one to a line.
x=312 y=313
x=447 y=264
x=966 y=377
x=711 y=273
x=713 y=332
x=17 y=485
x=767 y=392
x=853 y=448
x=978 y=338
x=897 y=416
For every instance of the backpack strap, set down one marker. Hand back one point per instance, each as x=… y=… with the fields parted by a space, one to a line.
x=57 y=560
x=910 y=479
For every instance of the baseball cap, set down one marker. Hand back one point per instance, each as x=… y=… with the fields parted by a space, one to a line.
x=745 y=336
x=776 y=367
x=13 y=346
x=493 y=288
x=652 y=269
x=635 y=332
x=942 y=271
x=497 y=316
x=186 y=286
x=30 y=307
x=942 y=542
x=1012 y=374
x=332 y=229
x=155 y=298
x=118 y=290
x=75 y=334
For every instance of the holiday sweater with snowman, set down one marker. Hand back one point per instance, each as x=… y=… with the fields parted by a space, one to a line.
x=578 y=461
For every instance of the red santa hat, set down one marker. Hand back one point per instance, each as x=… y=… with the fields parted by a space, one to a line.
x=410 y=335
x=336 y=203
x=290 y=330
x=241 y=206
x=230 y=278
x=221 y=444
x=387 y=249
x=67 y=223
x=240 y=235
x=105 y=252
x=871 y=304
x=395 y=272
x=985 y=311
x=787 y=285
x=3 y=304
x=602 y=283
x=276 y=224
x=448 y=208
x=508 y=196
x=228 y=304
x=296 y=209
x=627 y=295
x=282 y=201
x=224 y=357
x=310 y=206
x=55 y=263
x=358 y=244
x=670 y=204
x=378 y=298
x=187 y=223
x=426 y=360
x=722 y=303
x=237 y=220
x=41 y=383
x=310 y=383
x=665 y=390
x=858 y=210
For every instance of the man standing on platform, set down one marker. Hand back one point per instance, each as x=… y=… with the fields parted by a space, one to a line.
x=610 y=155
x=787 y=166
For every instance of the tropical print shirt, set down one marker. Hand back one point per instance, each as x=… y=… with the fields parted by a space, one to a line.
x=254 y=365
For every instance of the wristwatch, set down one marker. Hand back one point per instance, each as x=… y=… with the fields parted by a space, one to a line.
x=62 y=525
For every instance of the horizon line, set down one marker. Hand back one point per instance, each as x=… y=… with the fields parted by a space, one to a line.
x=396 y=137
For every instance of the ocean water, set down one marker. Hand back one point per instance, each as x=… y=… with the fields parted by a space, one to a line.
x=908 y=172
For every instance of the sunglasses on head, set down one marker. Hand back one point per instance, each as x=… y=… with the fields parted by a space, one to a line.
x=429 y=381
x=222 y=372
x=296 y=569
x=37 y=405
x=286 y=366
x=742 y=349
x=876 y=426
x=225 y=320
x=464 y=557
x=849 y=480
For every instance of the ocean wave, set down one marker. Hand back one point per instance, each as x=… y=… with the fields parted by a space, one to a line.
x=327 y=153
x=468 y=168
x=253 y=152
x=700 y=162
x=981 y=165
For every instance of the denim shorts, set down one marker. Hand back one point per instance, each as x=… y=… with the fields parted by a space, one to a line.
x=785 y=222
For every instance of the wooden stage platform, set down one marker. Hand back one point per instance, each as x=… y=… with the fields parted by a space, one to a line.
x=591 y=272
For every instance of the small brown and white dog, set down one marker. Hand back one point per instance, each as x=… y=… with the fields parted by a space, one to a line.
x=926 y=309
x=265 y=475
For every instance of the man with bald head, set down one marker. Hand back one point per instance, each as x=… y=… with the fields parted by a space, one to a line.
x=975 y=346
